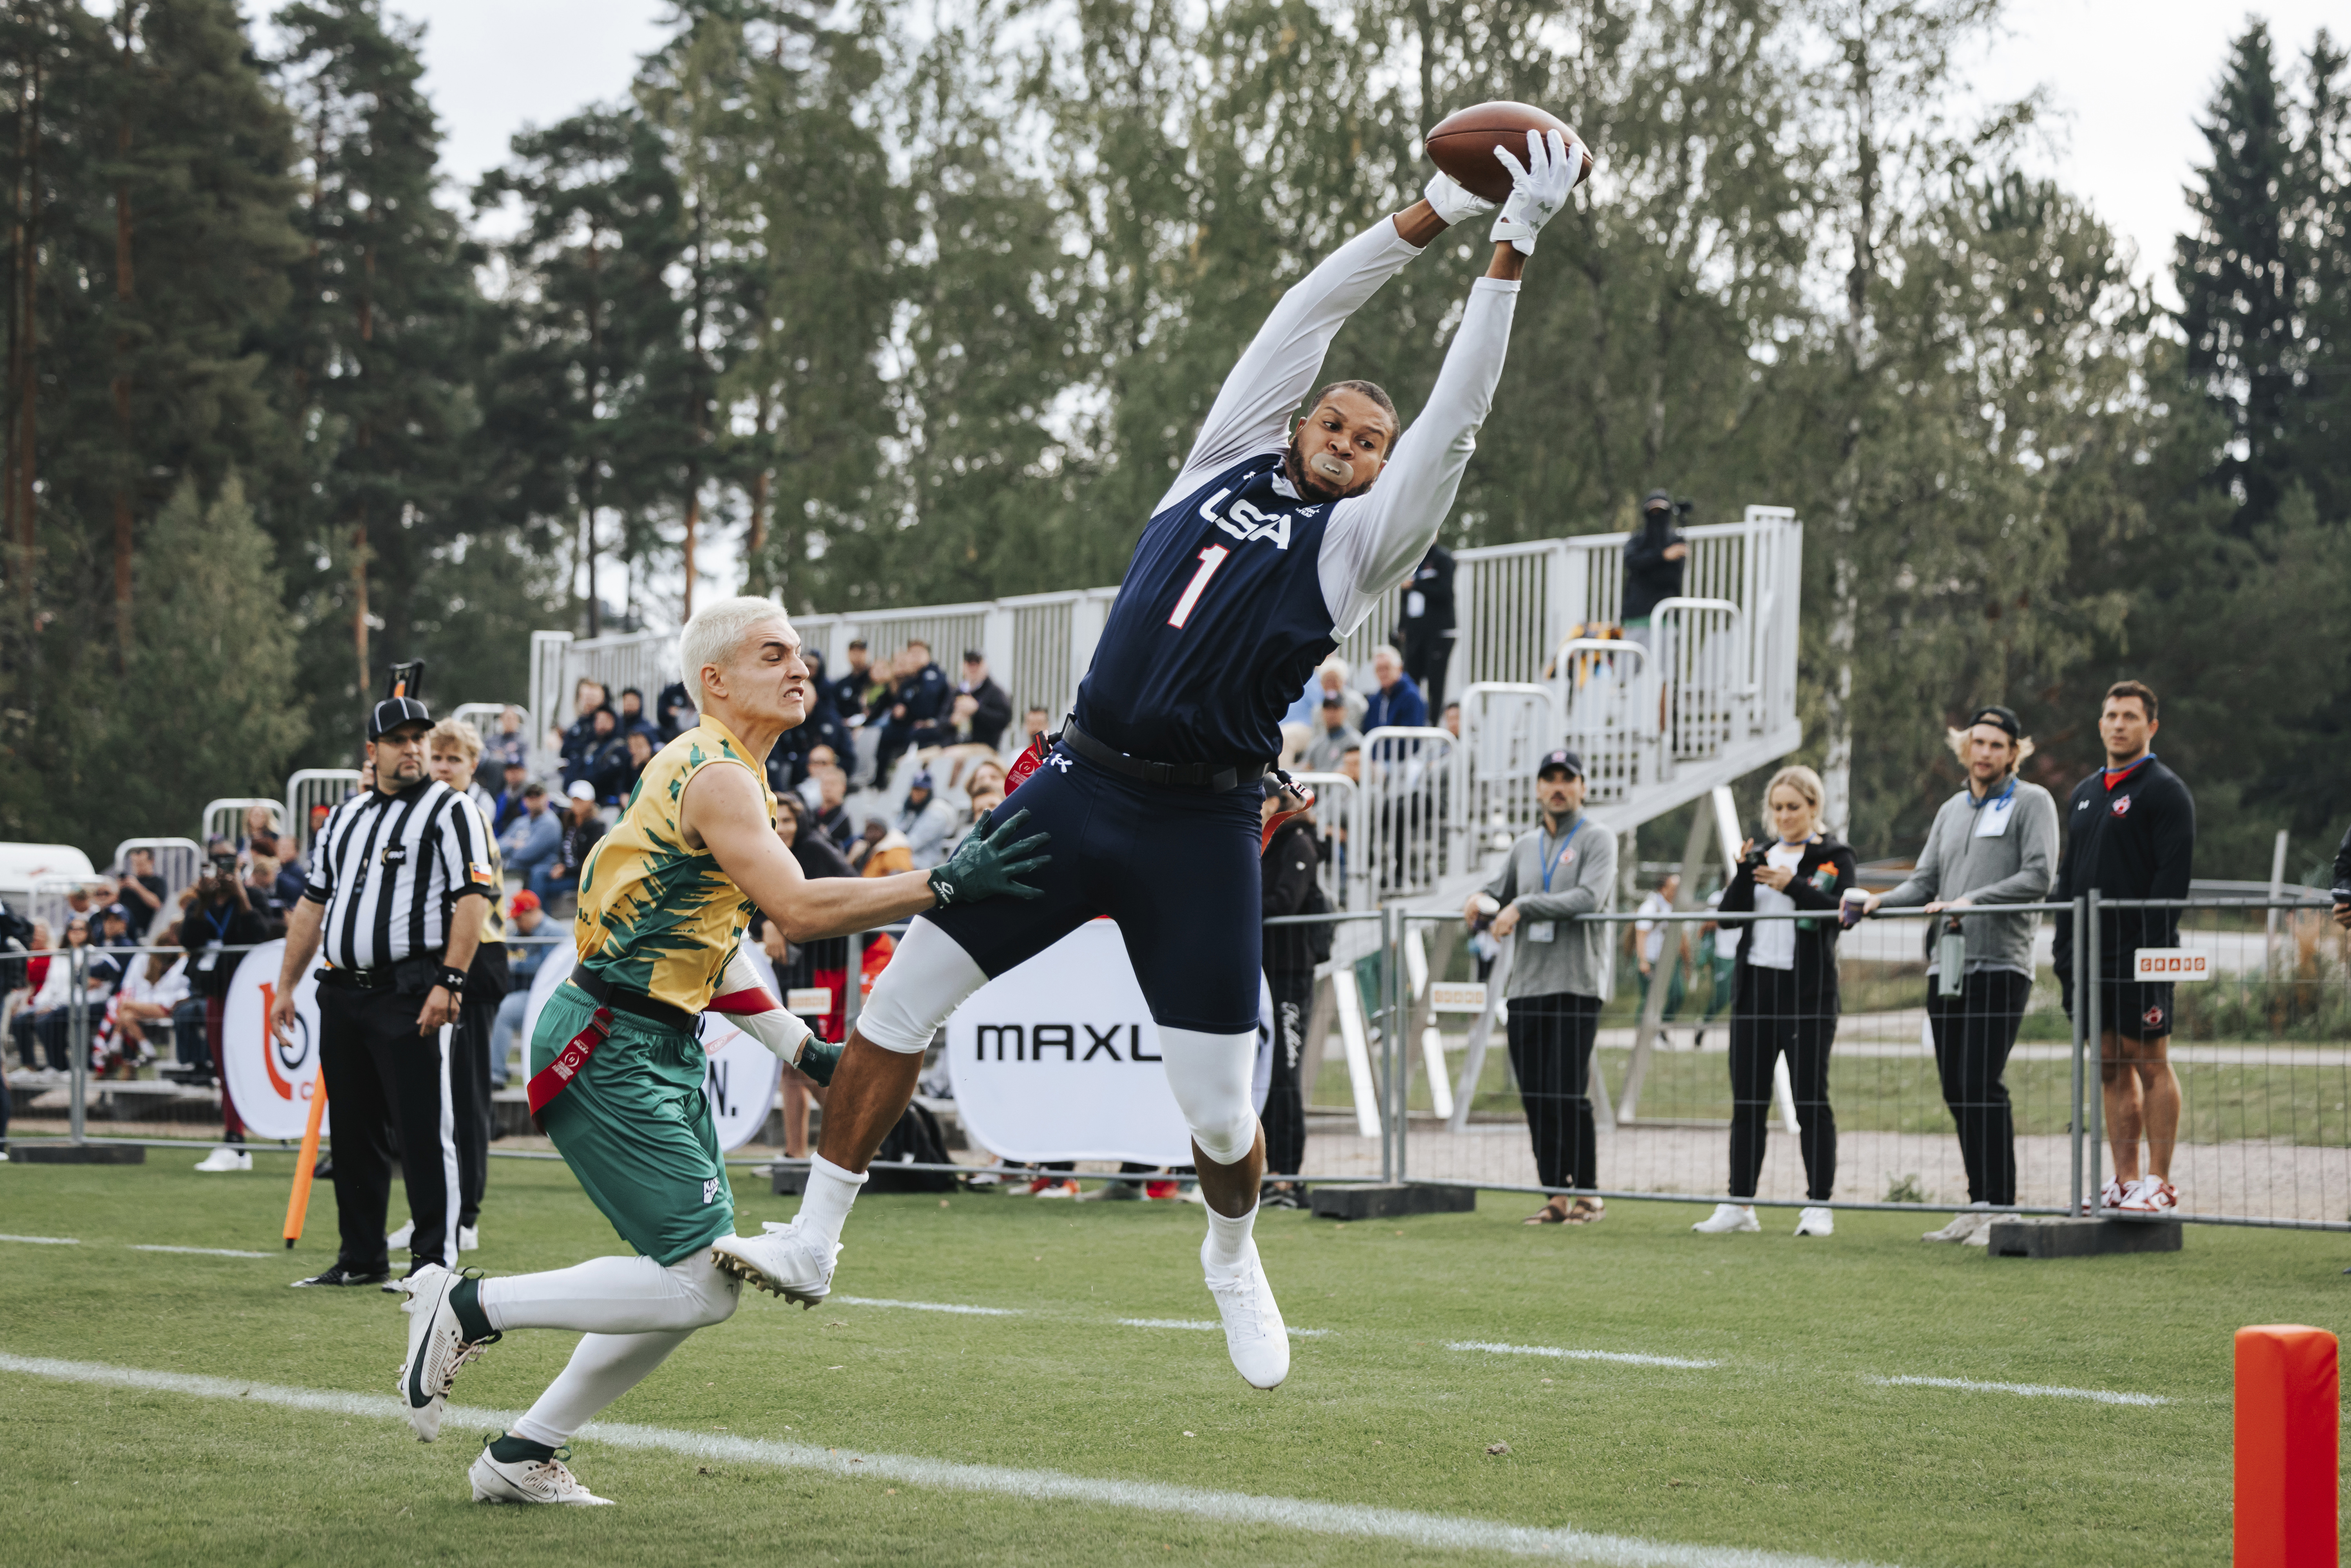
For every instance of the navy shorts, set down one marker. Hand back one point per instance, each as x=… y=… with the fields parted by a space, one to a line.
x=1177 y=868
x=2136 y=1009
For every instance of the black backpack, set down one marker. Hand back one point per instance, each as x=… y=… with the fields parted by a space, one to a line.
x=915 y=1140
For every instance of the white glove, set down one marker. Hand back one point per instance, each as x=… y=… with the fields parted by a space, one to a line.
x=1539 y=187
x=1453 y=200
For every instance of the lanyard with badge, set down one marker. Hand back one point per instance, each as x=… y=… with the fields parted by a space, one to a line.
x=1547 y=930
x=1951 y=952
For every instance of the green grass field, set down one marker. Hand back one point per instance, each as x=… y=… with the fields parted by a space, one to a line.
x=1787 y=1445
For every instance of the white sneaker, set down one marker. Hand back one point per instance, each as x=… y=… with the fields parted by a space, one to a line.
x=2112 y=1198
x=2149 y=1195
x=1982 y=1237
x=529 y=1481
x=1728 y=1217
x=1963 y=1226
x=437 y=1347
x=469 y=1239
x=1255 y=1334
x=226 y=1158
x=784 y=1260
x=396 y=1239
x=1816 y=1221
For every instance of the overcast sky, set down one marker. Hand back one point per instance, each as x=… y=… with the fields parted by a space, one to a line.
x=2128 y=77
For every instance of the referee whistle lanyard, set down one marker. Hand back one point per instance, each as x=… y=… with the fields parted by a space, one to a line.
x=1551 y=862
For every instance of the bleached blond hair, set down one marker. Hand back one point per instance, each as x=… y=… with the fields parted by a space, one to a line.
x=459 y=733
x=1957 y=739
x=717 y=632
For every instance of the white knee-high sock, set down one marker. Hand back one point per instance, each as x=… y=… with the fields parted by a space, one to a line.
x=824 y=1208
x=1229 y=1239
x=604 y=1367
x=614 y=1296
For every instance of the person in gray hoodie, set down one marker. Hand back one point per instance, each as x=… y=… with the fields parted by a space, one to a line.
x=1993 y=842
x=1559 y=978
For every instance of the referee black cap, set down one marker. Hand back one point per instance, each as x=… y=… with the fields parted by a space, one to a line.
x=1998 y=718
x=392 y=712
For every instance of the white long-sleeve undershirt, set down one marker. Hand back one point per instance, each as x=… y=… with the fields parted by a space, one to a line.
x=1372 y=539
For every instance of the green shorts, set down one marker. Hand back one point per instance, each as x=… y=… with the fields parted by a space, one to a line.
x=635 y=1128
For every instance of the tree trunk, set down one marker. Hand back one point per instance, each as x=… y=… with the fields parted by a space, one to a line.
x=360 y=597
x=28 y=385
x=589 y=475
x=127 y=458
x=755 y=569
x=1845 y=607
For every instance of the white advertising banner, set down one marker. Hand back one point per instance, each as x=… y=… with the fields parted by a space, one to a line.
x=743 y=1075
x=269 y=1080
x=1058 y=1060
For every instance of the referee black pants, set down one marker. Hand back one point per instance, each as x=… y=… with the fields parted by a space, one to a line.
x=1551 y=1053
x=469 y=1090
x=385 y=1083
x=1974 y=1031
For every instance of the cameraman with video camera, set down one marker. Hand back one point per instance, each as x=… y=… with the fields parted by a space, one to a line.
x=220 y=916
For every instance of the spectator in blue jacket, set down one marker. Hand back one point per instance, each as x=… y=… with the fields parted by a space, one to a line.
x=1398 y=703
x=921 y=697
x=588 y=700
x=533 y=840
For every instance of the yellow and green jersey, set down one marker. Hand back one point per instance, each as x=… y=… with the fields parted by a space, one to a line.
x=654 y=916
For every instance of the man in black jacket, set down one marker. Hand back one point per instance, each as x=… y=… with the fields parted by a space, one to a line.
x=2130 y=833
x=1655 y=557
x=1424 y=631
x=1287 y=870
x=918 y=700
x=979 y=713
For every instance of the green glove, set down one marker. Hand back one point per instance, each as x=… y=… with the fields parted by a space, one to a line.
x=817 y=1060
x=984 y=865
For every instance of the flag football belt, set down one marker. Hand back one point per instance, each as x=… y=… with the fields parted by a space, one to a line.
x=557 y=1075
x=1207 y=776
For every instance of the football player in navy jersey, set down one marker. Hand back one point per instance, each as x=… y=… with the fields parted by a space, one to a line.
x=1271 y=544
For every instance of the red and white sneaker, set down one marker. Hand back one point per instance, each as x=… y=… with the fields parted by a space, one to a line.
x=2112 y=1198
x=1061 y=1186
x=2149 y=1195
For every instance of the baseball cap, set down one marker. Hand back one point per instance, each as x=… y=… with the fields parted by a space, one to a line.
x=1333 y=699
x=115 y=912
x=524 y=902
x=1657 y=501
x=1566 y=760
x=392 y=712
x=581 y=790
x=921 y=781
x=974 y=656
x=1998 y=718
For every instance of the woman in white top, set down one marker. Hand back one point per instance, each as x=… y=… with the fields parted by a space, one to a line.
x=157 y=983
x=1786 y=999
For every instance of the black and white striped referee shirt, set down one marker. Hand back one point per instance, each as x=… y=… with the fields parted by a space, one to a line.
x=390 y=867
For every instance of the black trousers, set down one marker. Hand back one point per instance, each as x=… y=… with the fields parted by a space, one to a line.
x=386 y=1082
x=1974 y=1033
x=1285 y=1096
x=1774 y=1015
x=469 y=1090
x=1551 y=1051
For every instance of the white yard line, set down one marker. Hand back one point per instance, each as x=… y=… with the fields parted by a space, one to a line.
x=45 y=1240
x=2033 y=1390
x=1627 y=1357
x=1433 y=1531
x=1207 y=1327
x=932 y=1307
x=201 y=1251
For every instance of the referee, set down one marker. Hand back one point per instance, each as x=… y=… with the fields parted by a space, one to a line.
x=389 y=871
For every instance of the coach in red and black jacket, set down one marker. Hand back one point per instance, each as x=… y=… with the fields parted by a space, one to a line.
x=2130 y=832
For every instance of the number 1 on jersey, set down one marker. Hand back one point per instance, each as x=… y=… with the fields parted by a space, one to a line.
x=1210 y=558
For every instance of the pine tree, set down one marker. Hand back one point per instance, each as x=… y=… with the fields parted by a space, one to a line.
x=385 y=342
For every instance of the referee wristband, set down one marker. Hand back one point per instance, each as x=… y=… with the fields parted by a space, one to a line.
x=453 y=979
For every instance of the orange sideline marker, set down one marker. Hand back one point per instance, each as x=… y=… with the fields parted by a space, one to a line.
x=2289 y=1423
x=297 y=1202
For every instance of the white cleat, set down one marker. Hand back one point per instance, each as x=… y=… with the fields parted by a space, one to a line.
x=1728 y=1217
x=226 y=1158
x=784 y=1260
x=395 y=1240
x=1962 y=1228
x=1816 y=1221
x=529 y=1481
x=469 y=1239
x=1255 y=1334
x=437 y=1347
